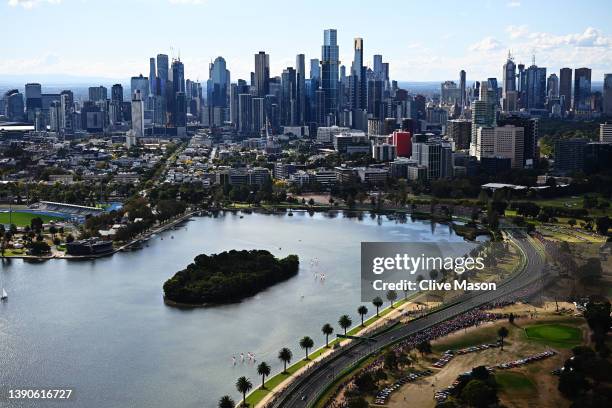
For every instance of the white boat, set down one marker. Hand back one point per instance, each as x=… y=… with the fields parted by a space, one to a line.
x=4 y=295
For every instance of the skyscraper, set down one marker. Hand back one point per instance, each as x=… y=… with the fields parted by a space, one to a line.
x=288 y=94
x=178 y=76
x=300 y=65
x=98 y=93
x=607 y=95
x=140 y=84
x=137 y=114
x=262 y=74
x=330 y=64
x=357 y=81
x=552 y=86
x=33 y=97
x=462 y=80
x=217 y=91
x=378 y=67
x=582 y=89
x=535 y=87
x=509 y=75
x=565 y=89
x=152 y=77
x=162 y=73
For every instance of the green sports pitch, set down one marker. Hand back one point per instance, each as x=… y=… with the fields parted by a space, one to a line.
x=558 y=335
x=22 y=219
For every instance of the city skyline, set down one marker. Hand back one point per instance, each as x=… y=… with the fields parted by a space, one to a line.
x=424 y=50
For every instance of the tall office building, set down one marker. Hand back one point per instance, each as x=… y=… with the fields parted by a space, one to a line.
x=582 y=89
x=535 y=87
x=460 y=132
x=565 y=89
x=13 y=105
x=67 y=105
x=97 y=93
x=288 y=94
x=435 y=154
x=178 y=76
x=377 y=67
x=330 y=65
x=462 y=89
x=137 y=114
x=300 y=66
x=509 y=75
x=605 y=132
x=357 y=81
x=552 y=86
x=163 y=68
x=607 y=95
x=262 y=74
x=141 y=84
x=152 y=77
x=217 y=92
x=244 y=113
x=33 y=103
x=258 y=116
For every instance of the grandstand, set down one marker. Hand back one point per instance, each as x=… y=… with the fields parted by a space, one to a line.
x=76 y=213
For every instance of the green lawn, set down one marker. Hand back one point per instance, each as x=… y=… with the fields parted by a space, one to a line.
x=556 y=335
x=513 y=382
x=22 y=219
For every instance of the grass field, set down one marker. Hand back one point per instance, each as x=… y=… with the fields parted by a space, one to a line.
x=512 y=382
x=22 y=219
x=556 y=335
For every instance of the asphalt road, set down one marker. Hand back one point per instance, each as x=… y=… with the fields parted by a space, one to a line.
x=305 y=389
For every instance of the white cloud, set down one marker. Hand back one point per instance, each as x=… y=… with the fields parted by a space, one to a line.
x=513 y=4
x=29 y=4
x=486 y=44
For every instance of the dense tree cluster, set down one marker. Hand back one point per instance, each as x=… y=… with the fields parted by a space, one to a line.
x=229 y=276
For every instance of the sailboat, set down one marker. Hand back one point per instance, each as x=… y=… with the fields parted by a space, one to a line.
x=4 y=295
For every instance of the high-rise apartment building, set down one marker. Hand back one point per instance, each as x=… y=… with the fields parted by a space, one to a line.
x=262 y=74
x=565 y=89
x=330 y=65
x=582 y=89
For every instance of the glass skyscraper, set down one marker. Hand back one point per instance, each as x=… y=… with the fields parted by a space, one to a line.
x=330 y=64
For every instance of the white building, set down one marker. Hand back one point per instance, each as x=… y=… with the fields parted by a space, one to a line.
x=137 y=114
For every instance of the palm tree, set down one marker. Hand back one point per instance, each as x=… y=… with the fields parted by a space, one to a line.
x=377 y=302
x=345 y=322
x=226 y=402
x=263 y=369
x=391 y=296
x=327 y=329
x=244 y=385
x=306 y=343
x=502 y=333
x=285 y=355
x=362 y=310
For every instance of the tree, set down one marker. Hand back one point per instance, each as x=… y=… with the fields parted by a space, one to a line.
x=478 y=394
x=264 y=370
x=285 y=355
x=390 y=360
x=306 y=343
x=362 y=310
x=502 y=333
x=327 y=329
x=226 y=402
x=511 y=318
x=244 y=385
x=345 y=322
x=424 y=347
x=358 y=402
x=391 y=296
x=602 y=224
x=377 y=302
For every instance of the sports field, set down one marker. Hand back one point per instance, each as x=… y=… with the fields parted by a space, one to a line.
x=556 y=335
x=22 y=219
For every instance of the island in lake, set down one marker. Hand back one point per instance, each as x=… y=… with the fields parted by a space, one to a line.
x=228 y=277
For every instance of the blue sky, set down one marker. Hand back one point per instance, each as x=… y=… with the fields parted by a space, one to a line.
x=422 y=40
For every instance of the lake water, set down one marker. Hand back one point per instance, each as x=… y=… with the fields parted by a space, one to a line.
x=101 y=328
